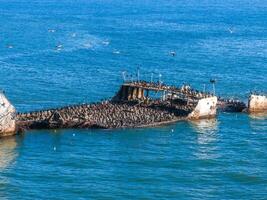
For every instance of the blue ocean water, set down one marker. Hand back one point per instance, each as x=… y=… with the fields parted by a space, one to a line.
x=55 y=53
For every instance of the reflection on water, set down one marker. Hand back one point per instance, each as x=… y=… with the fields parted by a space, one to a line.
x=207 y=126
x=7 y=152
x=8 y=155
x=260 y=115
x=258 y=122
x=207 y=135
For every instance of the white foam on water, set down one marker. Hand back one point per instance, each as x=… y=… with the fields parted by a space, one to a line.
x=67 y=42
x=80 y=40
x=116 y=51
x=106 y=42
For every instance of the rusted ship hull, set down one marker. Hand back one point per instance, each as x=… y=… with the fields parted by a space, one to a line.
x=257 y=103
x=130 y=108
x=110 y=115
x=226 y=105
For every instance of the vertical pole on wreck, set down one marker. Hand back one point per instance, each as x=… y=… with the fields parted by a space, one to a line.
x=147 y=96
x=160 y=80
x=147 y=93
x=213 y=81
x=138 y=74
x=171 y=98
x=130 y=91
x=151 y=79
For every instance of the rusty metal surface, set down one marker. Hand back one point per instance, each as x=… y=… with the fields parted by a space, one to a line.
x=257 y=103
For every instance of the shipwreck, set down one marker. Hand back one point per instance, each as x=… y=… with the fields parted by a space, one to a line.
x=136 y=104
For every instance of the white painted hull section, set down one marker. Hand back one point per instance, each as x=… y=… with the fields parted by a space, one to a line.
x=7 y=117
x=206 y=108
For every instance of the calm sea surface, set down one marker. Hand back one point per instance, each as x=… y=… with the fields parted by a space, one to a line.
x=55 y=53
